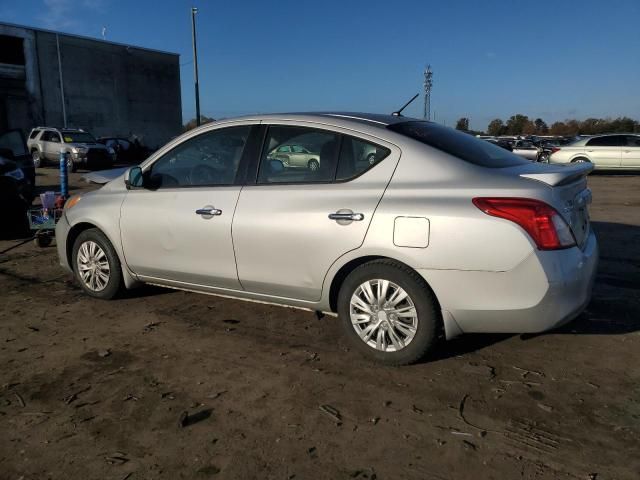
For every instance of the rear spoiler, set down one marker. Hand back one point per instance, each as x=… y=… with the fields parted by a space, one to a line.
x=556 y=175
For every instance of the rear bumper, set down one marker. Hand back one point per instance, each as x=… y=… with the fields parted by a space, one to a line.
x=544 y=291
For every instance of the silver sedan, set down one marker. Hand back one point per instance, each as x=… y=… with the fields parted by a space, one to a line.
x=440 y=234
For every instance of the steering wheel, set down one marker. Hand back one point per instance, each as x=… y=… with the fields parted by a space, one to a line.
x=203 y=175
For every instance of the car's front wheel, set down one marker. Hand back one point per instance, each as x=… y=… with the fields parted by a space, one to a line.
x=96 y=265
x=388 y=312
x=71 y=165
x=37 y=161
x=313 y=165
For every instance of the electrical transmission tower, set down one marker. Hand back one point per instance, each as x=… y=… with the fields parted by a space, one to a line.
x=428 y=83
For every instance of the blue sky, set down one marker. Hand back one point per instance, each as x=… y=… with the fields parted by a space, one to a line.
x=549 y=59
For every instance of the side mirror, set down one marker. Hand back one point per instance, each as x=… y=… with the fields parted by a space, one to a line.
x=276 y=166
x=134 y=178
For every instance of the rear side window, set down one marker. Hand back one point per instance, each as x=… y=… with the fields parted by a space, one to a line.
x=608 y=141
x=357 y=156
x=34 y=134
x=280 y=165
x=633 y=141
x=308 y=155
x=458 y=144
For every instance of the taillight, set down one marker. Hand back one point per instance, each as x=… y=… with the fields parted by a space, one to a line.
x=554 y=150
x=541 y=221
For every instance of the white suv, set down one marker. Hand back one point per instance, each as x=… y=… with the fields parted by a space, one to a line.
x=615 y=151
x=46 y=143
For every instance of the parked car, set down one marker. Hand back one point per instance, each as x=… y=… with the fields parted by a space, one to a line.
x=46 y=143
x=500 y=143
x=444 y=234
x=17 y=183
x=614 y=151
x=296 y=156
x=127 y=151
x=526 y=149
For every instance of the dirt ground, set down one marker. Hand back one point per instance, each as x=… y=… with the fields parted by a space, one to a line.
x=97 y=390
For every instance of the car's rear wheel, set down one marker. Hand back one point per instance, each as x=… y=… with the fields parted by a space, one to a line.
x=96 y=265
x=388 y=312
x=37 y=161
x=580 y=160
x=313 y=165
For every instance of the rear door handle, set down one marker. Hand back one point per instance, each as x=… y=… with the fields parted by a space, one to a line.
x=357 y=217
x=208 y=211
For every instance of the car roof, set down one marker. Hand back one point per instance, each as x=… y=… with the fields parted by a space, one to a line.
x=368 y=123
x=372 y=119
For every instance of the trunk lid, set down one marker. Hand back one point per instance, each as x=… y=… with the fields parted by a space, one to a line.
x=570 y=194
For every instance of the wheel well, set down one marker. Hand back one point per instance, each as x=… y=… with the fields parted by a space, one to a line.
x=580 y=157
x=349 y=267
x=73 y=234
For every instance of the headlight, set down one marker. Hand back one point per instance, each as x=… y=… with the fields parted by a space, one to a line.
x=79 y=150
x=72 y=201
x=17 y=174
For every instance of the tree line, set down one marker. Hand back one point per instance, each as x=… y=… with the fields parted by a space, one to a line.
x=522 y=125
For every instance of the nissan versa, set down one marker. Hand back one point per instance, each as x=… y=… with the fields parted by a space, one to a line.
x=440 y=234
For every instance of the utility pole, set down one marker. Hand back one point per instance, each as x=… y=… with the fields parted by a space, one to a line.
x=428 y=83
x=194 y=10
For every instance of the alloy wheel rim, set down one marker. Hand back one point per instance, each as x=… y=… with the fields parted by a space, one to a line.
x=383 y=315
x=36 y=159
x=93 y=266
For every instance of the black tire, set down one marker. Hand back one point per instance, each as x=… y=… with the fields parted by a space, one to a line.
x=429 y=319
x=42 y=240
x=313 y=165
x=71 y=165
x=115 y=284
x=580 y=160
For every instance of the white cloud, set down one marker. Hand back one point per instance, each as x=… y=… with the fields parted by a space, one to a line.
x=66 y=14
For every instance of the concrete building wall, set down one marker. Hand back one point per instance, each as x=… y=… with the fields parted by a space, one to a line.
x=107 y=88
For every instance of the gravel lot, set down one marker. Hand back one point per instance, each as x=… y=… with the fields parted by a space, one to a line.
x=97 y=390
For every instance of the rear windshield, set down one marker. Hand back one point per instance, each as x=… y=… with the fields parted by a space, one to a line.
x=77 y=137
x=459 y=144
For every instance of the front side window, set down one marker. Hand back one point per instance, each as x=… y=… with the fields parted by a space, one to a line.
x=458 y=144
x=54 y=137
x=317 y=164
x=608 y=141
x=211 y=158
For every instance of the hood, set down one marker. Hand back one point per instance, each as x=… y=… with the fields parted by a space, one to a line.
x=87 y=145
x=104 y=176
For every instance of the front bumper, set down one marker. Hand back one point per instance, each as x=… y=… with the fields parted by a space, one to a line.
x=546 y=290
x=62 y=231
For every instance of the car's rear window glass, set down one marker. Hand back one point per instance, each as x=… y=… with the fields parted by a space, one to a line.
x=34 y=134
x=608 y=141
x=459 y=144
x=78 y=137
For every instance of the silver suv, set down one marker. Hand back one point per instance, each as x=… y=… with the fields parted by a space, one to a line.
x=46 y=143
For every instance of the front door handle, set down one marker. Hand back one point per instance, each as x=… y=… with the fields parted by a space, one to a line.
x=358 y=217
x=208 y=211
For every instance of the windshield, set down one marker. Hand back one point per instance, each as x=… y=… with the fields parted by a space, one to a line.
x=459 y=144
x=78 y=137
